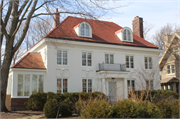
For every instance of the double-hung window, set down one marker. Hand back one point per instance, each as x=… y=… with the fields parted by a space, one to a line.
x=170 y=69
x=24 y=84
x=109 y=58
x=62 y=57
x=148 y=62
x=62 y=85
x=86 y=59
x=86 y=85
x=129 y=62
x=130 y=86
x=149 y=84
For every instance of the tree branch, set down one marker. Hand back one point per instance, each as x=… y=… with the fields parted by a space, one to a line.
x=22 y=18
x=22 y=7
x=43 y=4
x=4 y=32
x=58 y=12
x=25 y=27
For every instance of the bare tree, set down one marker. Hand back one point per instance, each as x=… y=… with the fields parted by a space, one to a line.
x=147 y=28
x=158 y=38
x=17 y=12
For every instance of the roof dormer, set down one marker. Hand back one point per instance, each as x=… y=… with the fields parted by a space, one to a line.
x=83 y=29
x=125 y=34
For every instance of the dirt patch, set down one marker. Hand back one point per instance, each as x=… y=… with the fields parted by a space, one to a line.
x=22 y=114
x=28 y=114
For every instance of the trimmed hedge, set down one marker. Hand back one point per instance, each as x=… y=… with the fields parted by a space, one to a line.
x=37 y=101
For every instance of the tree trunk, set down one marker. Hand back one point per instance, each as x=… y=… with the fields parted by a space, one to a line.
x=4 y=73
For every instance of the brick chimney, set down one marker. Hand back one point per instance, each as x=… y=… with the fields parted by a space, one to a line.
x=137 y=24
x=56 y=18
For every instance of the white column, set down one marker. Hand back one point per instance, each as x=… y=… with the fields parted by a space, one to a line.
x=125 y=88
x=103 y=85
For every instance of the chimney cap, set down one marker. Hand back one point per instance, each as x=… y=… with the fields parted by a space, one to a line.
x=136 y=17
x=56 y=9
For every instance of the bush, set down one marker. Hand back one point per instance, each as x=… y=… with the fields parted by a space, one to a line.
x=165 y=108
x=51 y=108
x=175 y=109
x=124 y=109
x=66 y=107
x=51 y=95
x=80 y=105
x=97 y=109
x=140 y=109
x=146 y=109
x=156 y=95
x=36 y=101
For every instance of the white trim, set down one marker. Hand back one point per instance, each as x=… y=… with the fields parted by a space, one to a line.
x=24 y=69
x=103 y=45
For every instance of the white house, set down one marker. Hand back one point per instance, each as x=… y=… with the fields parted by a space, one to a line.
x=83 y=55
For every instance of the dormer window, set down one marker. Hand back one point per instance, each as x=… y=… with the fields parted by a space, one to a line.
x=125 y=34
x=84 y=30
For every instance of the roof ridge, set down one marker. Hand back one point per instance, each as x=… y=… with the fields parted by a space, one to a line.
x=20 y=60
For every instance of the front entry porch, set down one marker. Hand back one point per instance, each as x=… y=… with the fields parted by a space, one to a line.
x=114 y=85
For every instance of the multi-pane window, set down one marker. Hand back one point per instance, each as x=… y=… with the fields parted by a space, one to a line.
x=130 y=86
x=85 y=29
x=87 y=85
x=170 y=69
x=109 y=58
x=86 y=59
x=149 y=84
x=148 y=62
x=61 y=57
x=24 y=84
x=129 y=62
x=127 y=35
x=62 y=85
x=37 y=83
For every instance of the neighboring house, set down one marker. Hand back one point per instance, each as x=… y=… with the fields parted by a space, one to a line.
x=84 y=55
x=169 y=63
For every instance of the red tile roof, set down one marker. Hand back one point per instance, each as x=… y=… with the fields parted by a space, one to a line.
x=102 y=32
x=30 y=61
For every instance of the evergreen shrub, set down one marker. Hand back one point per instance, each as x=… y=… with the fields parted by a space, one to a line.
x=175 y=108
x=165 y=108
x=36 y=101
x=51 y=108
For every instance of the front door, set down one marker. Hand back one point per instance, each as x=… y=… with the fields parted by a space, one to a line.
x=112 y=91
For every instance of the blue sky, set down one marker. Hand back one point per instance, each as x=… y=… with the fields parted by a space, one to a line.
x=155 y=12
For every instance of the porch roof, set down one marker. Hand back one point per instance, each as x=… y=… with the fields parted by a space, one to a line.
x=170 y=80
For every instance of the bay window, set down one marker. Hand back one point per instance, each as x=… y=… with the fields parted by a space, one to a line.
x=26 y=80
